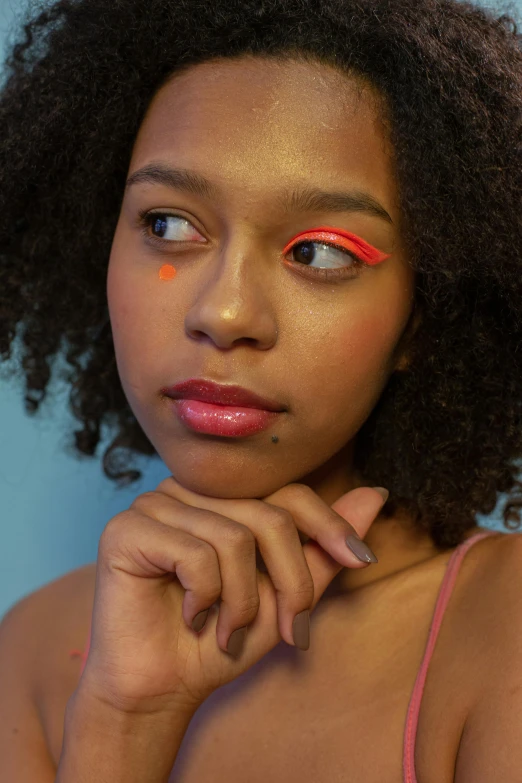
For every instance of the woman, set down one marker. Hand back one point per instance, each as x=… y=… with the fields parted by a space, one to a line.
x=280 y=241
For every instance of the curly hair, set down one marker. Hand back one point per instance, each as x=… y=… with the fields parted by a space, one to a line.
x=445 y=435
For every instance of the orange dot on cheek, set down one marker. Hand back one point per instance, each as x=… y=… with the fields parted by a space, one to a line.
x=167 y=272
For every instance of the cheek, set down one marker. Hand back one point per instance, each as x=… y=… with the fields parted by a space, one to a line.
x=365 y=346
x=348 y=368
x=122 y=305
x=145 y=311
x=134 y=308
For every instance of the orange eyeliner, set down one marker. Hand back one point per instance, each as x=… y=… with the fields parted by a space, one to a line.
x=365 y=252
x=167 y=272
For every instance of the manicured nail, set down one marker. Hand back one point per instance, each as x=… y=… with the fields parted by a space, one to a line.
x=360 y=549
x=199 y=620
x=384 y=492
x=301 y=630
x=236 y=641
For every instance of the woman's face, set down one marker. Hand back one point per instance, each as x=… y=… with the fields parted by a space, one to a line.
x=269 y=137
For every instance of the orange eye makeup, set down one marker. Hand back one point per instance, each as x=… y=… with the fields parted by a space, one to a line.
x=345 y=239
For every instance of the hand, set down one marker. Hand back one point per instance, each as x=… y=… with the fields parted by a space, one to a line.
x=174 y=554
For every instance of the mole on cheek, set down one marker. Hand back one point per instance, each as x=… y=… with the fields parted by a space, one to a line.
x=167 y=272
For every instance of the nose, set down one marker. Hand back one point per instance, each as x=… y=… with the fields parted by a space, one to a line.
x=232 y=304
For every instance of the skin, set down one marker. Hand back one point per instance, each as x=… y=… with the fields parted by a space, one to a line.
x=235 y=312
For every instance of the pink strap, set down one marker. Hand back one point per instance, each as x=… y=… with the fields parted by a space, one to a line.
x=445 y=591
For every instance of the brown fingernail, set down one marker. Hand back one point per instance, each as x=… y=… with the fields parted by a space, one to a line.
x=236 y=641
x=301 y=630
x=360 y=549
x=199 y=620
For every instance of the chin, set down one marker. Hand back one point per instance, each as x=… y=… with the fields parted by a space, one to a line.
x=227 y=478
x=226 y=489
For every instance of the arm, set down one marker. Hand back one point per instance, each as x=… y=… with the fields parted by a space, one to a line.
x=24 y=757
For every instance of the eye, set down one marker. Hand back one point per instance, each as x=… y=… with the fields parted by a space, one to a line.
x=322 y=255
x=332 y=253
x=166 y=227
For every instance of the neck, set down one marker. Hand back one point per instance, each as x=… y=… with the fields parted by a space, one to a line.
x=399 y=545
x=398 y=542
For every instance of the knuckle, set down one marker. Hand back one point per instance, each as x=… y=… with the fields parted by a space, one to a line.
x=114 y=527
x=278 y=520
x=200 y=561
x=199 y=551
x=247 y=607
x=239 y=536
x=209 y=591
x=113 y=543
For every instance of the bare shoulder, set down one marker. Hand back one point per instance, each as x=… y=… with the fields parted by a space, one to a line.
x=53 y=616
x=49 y=624
x=490 y=605
x=501 y=603
x=59 y=619
x=490 y=747
x=495 y=569
x=37 y=672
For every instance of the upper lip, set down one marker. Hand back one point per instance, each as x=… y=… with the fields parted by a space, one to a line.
x=208 y=391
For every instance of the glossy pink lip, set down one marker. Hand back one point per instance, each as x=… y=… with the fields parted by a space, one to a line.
x=207 y=391
x=229 y=421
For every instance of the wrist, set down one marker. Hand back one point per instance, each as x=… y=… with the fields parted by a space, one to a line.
x=104 y=743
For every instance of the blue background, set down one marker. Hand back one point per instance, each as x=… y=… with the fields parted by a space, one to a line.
x=54 y=507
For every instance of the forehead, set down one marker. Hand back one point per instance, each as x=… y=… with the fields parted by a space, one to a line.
x=258 y=121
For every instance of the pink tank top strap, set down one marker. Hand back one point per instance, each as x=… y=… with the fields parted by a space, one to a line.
x=445 y=591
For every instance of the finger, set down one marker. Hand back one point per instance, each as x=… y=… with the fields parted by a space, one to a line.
x=351 y=514
x=339 y=528
x=355 y=507
x=138 y=543
x=322 y=566
x=277 y=537
x=235 y=548
x=278 y=540
x=323 y=569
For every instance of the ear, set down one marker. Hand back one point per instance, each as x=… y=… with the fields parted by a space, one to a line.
x=402 y=361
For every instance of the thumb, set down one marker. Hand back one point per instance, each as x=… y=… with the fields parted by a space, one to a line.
x=359 y=507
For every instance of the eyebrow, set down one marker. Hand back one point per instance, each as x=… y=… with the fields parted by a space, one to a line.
x=297 y=200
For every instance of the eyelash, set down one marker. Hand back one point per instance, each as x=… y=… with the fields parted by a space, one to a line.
x=146 y=218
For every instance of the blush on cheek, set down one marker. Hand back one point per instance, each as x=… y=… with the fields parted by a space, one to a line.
x=368 y=346
x=167 y=272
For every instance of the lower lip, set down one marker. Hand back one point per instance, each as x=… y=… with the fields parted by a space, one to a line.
x=227 y=420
